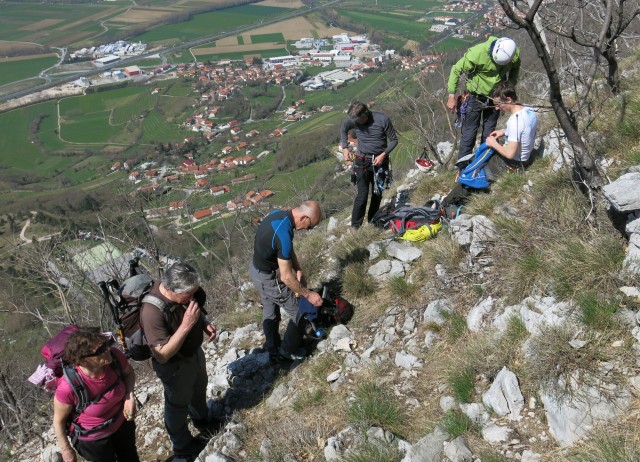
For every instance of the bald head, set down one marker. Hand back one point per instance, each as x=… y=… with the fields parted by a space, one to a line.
x=307 y=215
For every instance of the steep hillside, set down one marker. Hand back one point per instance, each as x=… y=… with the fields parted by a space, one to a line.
x=512 y=335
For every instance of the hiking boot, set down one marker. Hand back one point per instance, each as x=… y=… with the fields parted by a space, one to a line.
x=297 y=356
x=194 y=448
x=211 y=428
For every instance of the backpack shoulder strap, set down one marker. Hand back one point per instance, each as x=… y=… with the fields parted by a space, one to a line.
x=163 y=306
x=77 y=385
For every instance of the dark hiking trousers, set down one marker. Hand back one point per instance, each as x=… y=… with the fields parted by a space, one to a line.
x=364 y=184
x=185 y=395
x=275 y=294
x=120 y=446
x=476 y=113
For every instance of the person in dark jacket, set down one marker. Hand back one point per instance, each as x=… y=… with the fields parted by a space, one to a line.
x=376 y=139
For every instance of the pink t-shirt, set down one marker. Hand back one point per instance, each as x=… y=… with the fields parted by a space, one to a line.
x=109 y=404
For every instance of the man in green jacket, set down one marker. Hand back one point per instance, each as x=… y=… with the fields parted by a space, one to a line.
x=485 y=65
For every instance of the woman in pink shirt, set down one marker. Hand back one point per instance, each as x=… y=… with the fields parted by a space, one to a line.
x=104 y=431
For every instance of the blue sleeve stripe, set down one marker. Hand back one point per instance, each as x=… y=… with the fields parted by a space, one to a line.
x=280 y=230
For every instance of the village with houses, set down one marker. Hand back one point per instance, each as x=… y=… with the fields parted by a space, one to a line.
x=350 y=58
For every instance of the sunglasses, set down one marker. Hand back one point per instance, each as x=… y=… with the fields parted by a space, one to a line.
x=99 y=351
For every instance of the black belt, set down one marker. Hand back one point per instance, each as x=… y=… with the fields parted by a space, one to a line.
x=265 y=272
x=365 y=157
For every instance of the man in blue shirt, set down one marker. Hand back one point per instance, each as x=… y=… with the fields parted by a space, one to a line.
x=376 y=139
x=278 y=277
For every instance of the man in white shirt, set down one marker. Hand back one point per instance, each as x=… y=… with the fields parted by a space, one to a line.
x=520 y=132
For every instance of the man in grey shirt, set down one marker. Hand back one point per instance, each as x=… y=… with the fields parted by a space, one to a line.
x=376 y=139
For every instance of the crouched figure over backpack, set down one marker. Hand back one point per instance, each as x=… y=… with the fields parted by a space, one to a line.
x=94 y=402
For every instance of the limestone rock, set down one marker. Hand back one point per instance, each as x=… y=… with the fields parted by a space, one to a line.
x=504 y=395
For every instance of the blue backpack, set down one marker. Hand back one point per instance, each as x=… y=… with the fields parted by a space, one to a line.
x=473 y=175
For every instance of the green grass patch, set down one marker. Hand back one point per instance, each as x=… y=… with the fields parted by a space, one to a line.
x=241 y=55
x=456 y=423
x=375 y=406
x=207 y=24
x=11 y=71
x=240 y=39
x=402 y=289
x=276 y=37
x=456 y=325
x=462 y=382
x=309 y=399
x=597 y=312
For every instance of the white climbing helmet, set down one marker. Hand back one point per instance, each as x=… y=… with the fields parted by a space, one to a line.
x=503 y=50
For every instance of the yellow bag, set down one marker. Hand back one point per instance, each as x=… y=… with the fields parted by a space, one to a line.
x=422 y=233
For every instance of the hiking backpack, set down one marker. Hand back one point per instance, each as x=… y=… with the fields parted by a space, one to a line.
x=408 y=217
x=125 y=302
x=474 y=175
x=52 y=353
x=314 y=321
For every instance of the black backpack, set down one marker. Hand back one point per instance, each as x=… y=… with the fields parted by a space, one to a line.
x=125 y=302
x=406 y=217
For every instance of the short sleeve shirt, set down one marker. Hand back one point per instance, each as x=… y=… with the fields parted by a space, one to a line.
x=522 y=127
x=110 y=405
x=157 y=331
x=274 y=240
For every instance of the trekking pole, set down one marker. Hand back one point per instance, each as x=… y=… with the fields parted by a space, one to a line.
x=115 y=316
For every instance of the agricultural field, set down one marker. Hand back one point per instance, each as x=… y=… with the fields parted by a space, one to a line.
x=283 y=32
x=13 y=70
x=267 y=38
x=212 y=23
x=243 y=55
x=119 y=117
x=405 y=26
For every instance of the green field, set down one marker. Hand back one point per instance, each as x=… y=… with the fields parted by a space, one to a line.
x=207 y=24
x=21 y=159
x=16 y=20
x=241 y=55
x=267 y=38
x=405 y=26
x=12 y=71
x=120 y=116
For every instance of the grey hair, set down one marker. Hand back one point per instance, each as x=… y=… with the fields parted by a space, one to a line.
x=180 y=278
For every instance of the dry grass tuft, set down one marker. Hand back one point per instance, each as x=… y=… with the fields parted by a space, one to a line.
x=429 y=186
x=614 y=442
x=563 y=370
x=375 y=405
x=551 y=249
